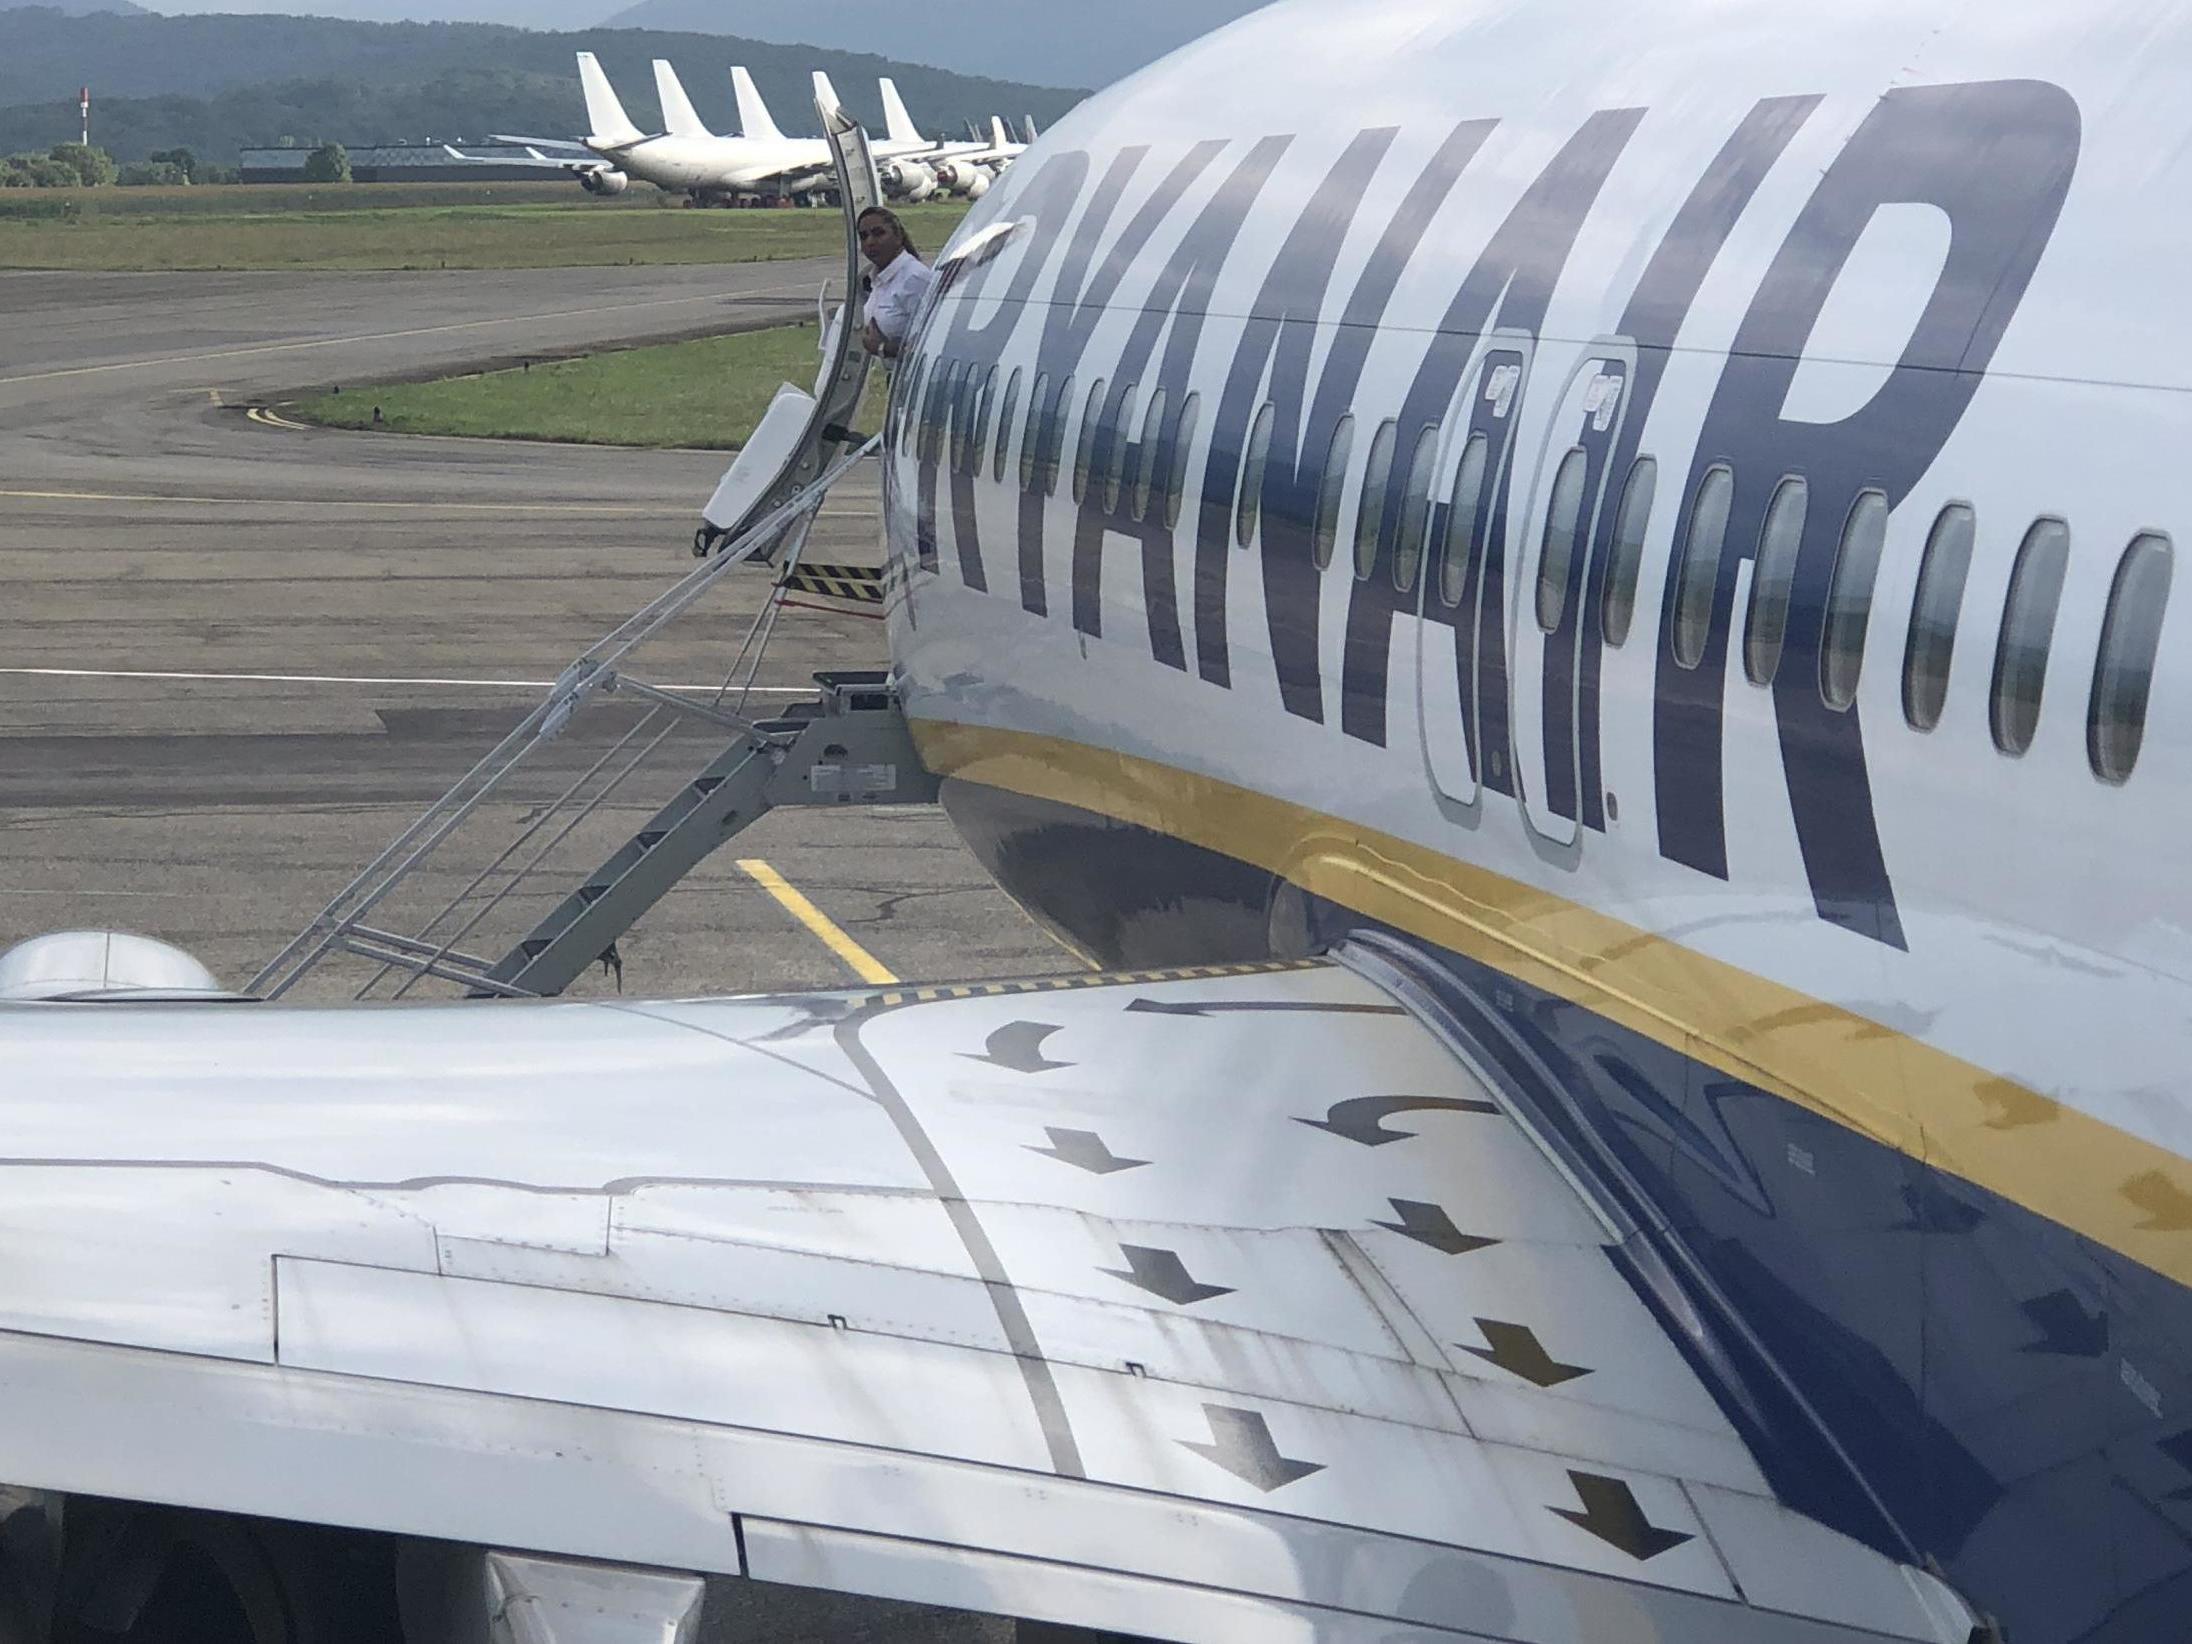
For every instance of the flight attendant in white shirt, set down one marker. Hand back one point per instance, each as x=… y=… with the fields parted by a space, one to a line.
x=899 y=281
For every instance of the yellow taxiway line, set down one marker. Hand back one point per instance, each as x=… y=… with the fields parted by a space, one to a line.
x=858 y=959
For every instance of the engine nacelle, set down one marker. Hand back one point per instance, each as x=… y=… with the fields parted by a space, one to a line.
x=102 y=964
x=956 y=175
x=908 y=180
x=978 y=184
x=604 y=182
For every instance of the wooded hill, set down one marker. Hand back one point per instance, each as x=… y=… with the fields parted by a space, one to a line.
x=220 y=83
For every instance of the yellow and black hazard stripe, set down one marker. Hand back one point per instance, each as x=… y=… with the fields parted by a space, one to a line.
x=862 y=584
x=1093 y=979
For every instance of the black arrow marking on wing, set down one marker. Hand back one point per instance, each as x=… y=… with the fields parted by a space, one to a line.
x=1429 y=1224
x=1084 y=1150
x=1515 y=1348
x=1213 y=1007
x=1361 y=1119
x=2065 y=1327
x=1018 y=1047
x=1611 y=1513
x=1241 y=1443
x=1162 y=1273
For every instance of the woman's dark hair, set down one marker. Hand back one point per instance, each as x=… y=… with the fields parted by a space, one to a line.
x=891 y=217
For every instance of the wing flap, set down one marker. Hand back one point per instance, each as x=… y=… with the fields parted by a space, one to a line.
x=1248 y=1290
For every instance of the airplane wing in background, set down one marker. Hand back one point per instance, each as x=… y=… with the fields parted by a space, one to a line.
x=580 y=162
x=571 y=144
x=1228 y=1304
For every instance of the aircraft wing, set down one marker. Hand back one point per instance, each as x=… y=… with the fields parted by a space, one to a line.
x=1223 y=1304
x=580 y=163
x=570 y=143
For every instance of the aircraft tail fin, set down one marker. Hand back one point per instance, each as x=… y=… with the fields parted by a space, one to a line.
x=898 y=123
x=825 y=94
x=998 y=136
x=1033 y=131
x=679 y=118
x=754 y=119
x=603 y=112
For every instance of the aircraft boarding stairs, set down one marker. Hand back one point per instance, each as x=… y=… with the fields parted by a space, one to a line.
x=547 y=800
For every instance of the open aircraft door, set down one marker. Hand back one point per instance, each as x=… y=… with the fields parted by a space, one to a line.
x=1461 y=658
x=793 y=444
x=1549 y=624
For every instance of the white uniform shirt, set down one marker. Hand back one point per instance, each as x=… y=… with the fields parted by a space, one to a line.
x=895 y=295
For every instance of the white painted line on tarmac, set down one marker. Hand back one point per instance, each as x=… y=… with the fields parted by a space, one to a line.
x=787 y=294
x=410 y=505
x=350 y=679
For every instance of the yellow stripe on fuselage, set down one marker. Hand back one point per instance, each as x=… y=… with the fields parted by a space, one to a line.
x=2117 y=1189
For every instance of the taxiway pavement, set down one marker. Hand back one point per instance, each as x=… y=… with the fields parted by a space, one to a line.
x=236 y=658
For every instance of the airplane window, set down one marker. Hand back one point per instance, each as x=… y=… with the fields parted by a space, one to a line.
x=1259 y=452
x=2131 y=637
x=917 y=406
x=1630 y=525
x=1773 y=579
x=1415 y=519
x=1032 y=437
x=906 y=401
x=981 y=399
x=1121 y=431
x=1556 y=554
x=1933 y=610
x=1700 y=572
x=1177 y=455
x=2028 y=628
x=1325 y=530
x=1054 y=445
x=1849 y=598
x=947 y=410
x=1085 y=451
x=1006 y=425
x=1145 y=454
x=1461 y=520
x=1370 y=511
x=986 y=424
x=956 y=419
x=941 y=382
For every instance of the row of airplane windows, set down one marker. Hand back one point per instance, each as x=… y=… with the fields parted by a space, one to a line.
x=963 y=411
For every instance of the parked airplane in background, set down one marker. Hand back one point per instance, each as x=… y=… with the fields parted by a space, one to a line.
x=911 y=163
x=1595 y=624
x=977 y=165
x=685 y=157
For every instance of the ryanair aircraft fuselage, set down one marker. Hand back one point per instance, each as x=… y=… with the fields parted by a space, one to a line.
x=1666 y=513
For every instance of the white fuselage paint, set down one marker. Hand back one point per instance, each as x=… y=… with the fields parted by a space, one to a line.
x=2032 y=895
x=719 y=164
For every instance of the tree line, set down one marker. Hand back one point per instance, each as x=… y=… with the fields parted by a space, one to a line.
x=73 y=165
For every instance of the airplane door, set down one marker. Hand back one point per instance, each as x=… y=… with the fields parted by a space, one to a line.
x=1552 y=574
x=1463 y=639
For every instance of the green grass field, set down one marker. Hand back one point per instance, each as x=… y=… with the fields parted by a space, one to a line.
x=402 y=226
x=708 y=394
